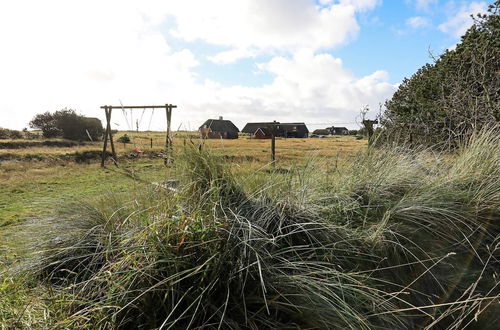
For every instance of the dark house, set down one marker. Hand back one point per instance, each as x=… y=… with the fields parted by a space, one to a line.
x=322 y=131
x=293 y=130
x=251 y=128
x=338 y=130
x=289 y=130
x=262 y=133
x=218 y=129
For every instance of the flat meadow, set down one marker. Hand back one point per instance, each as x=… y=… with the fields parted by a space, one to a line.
x=334 y=235
x=30 y=175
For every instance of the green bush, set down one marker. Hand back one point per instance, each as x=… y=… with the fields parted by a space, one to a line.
x=445 y=102
x=6 y=133
x=68 y=124
x=124 y=139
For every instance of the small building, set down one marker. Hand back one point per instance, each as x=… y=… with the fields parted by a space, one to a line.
x=262 y=133
x=339 y=130
x=322 y=131
x=293 y=130
x=287 y=130
x=218 y=129
x=251 y=128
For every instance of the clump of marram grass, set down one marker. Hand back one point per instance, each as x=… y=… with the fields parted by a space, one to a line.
x=399 y=239
x=435 y=220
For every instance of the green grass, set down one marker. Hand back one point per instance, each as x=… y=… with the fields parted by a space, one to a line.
x=399 y=239
x=32 y=190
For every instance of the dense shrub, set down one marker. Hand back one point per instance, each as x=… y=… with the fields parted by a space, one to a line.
x=6 y=133
x=444 y=102
x=124 y=139
x=68 y=124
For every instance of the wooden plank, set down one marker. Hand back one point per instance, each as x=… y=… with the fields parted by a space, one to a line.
x=168 y=141
x=115 y=159
x=103 y=157
x=272 y=128
x=273 y=148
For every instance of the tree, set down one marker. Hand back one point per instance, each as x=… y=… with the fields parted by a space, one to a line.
x=68 y=124
x=47 y=123
x=456 y=95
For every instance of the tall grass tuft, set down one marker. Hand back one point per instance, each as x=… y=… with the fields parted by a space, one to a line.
x=398 y=239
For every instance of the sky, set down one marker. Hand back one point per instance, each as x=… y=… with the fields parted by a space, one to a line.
x=313 y=61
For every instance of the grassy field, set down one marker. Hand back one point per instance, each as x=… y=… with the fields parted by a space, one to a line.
x=34 y=175
x=38 y=180
x=287 y=149
x=336 y=235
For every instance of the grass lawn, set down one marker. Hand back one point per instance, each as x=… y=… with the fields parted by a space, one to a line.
x=32 y=188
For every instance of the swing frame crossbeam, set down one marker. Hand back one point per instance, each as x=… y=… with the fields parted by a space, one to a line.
x=108 y=135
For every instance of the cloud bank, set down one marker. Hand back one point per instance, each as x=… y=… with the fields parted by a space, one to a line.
x=87 y=54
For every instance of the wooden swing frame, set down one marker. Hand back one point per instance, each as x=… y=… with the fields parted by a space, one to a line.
x=168 y=140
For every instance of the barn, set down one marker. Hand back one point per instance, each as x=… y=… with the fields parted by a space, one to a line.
x=218 y=129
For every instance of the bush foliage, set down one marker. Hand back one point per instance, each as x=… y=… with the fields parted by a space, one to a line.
x=6 y=133
x=446 y=101
x=68 y=124
x=124 y=139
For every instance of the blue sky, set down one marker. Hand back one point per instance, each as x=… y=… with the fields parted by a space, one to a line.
x=317 y=61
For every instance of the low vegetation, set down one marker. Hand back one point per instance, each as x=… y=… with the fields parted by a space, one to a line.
x=6 y=133
x=66 y=123
x=394 y=239
x=12 y=134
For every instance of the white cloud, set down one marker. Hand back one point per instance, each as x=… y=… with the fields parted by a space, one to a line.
x=83 y=54
x=424 y=5
x=310 y=88
x=361 y=4
x=262 y=26
x=459 y=21
x=231 y=56
x=418 y=22
x=87 y=54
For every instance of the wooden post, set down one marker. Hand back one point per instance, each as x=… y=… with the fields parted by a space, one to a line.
x=107 y=111
x=273 y=149
x=273 y=143
x=103 y=156
x=115 y=159
x=168 y=140
x=368 y=125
